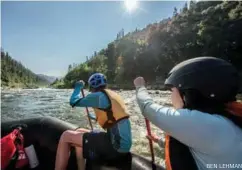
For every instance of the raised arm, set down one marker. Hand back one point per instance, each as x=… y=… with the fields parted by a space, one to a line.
x=193 y=128
x=95 y=100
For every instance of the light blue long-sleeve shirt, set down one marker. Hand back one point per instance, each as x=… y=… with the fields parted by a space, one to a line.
x=214 y=141
x=120 y=133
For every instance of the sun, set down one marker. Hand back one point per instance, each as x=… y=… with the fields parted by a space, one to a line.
x=130 y=5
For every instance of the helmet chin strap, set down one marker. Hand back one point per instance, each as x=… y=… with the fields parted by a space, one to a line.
x=183 y=98
x=184 y=101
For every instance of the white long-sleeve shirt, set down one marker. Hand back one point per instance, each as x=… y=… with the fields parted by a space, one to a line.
x=214 y=141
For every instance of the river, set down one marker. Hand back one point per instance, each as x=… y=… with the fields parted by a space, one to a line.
x=26 y=103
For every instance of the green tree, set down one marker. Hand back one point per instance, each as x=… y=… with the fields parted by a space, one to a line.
x=111 y=61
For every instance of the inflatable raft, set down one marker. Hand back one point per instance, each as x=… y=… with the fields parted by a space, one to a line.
x=44 y=134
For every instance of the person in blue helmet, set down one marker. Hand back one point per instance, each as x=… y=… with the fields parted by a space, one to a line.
x=111 y=114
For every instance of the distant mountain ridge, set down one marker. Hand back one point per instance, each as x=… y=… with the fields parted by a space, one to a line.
x=50 y=79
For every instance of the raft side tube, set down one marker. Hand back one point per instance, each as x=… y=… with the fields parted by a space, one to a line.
x=44 y=133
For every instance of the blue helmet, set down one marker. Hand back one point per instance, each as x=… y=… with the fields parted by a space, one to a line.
x=96 y=80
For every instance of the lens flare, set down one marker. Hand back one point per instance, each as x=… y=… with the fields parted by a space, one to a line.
x=130 y=5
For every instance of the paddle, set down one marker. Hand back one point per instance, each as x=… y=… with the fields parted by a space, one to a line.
x=151 y=144
x=87 y=111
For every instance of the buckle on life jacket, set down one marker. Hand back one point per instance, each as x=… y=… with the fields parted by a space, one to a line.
x=12 y=150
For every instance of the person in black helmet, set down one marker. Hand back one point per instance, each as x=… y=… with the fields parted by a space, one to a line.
x=204 y=127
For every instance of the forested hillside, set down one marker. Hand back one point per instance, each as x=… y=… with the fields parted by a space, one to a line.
x=14 y=74
x=200 y=29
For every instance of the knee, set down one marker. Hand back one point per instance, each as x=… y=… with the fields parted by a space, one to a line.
x=82 y=130
x=66 y=135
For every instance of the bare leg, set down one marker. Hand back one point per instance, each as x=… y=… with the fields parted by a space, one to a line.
x=79 y=158
x=79 y=155
x=67 y=139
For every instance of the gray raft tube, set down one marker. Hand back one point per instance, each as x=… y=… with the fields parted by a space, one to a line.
x=44 y=133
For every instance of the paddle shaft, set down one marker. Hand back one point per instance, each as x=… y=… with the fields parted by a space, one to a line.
x=87 y=111
x=150 y=141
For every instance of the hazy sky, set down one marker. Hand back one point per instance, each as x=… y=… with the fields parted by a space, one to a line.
x=48 y=36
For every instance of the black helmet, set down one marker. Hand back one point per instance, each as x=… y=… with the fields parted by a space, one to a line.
x=214 y=78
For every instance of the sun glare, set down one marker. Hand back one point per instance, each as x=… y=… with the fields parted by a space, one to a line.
x=130 y=5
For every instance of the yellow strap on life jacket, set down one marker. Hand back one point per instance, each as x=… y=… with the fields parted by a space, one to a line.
x=117 y=110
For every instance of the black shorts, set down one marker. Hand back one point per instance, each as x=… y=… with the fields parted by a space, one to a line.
x=97 y=145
